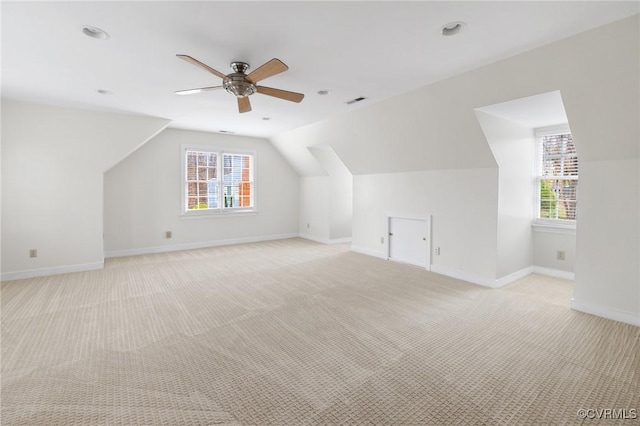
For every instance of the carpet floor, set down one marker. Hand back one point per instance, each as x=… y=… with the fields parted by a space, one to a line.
x=292 y=332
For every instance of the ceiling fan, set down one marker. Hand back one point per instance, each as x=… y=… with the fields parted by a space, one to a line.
x=242 y=85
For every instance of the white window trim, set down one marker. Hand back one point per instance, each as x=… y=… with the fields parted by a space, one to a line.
x=555 y=226
x=552 y=130
x=219 y=212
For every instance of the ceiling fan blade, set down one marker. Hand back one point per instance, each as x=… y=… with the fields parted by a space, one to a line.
x=198 y=90
x=282 y=94
x=271 y=68
x=201 y=65
x=243 y=104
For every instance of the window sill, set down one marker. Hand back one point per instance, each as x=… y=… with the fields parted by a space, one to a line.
x=553 y=227
x=217 y=213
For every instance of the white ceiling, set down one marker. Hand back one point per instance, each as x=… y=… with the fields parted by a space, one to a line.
x=543 y=110
x=371 y=49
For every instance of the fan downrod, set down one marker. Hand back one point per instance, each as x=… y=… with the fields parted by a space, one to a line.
x=240 y=67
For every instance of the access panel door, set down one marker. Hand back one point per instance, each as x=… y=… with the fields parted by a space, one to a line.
x=409 y=241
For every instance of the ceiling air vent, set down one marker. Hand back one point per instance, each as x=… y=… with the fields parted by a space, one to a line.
x=353 y=101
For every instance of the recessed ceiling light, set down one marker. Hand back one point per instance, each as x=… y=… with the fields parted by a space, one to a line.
x=104 y=92
x=94 y=32
x=452 y=28
x=324 y=92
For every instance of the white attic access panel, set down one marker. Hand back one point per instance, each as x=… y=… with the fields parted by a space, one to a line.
x=409 y=240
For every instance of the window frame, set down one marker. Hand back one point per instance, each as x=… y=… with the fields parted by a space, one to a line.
x=548 y=224
x=220 y=210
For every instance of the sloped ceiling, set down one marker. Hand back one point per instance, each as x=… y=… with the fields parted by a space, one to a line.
x=435 y=127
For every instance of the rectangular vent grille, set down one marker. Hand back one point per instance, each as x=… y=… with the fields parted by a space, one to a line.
x=353 y=101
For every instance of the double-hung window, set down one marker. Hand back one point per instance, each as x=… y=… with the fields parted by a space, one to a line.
x=218 y=181
x=557 y=177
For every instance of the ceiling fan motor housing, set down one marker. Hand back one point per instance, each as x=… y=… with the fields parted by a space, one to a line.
x=237 y=83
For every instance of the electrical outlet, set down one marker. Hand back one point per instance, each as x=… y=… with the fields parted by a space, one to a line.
x=560 y=255
x=307 y=226
x=437 y=251
x=168 y=234
x=381 y=240
x=33 y=253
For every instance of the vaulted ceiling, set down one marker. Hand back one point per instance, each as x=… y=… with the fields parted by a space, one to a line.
x=374 y=50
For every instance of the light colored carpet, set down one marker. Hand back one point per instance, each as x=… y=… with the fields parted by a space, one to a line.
x=293 y=332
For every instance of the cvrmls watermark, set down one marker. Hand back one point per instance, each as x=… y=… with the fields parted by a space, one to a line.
x=608 y=413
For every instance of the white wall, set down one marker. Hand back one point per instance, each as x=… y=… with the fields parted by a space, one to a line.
x=463 y=207
x=434 y=128
x=143 y=198
x=314 y=222
x=340 y=197
x=546 y=244
x=513 y=146
x=53 y=161
x=326 y=201
x=607 y=266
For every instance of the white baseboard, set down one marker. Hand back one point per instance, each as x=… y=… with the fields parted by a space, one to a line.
x=606 y=312
x=479 y=279
x=501 y=282
x=313 y=238
x=324 y=240
x=196 y=245
x=463 y=275
x=343 y=240
x=368 y=252
x=457 y=273
x=55 y=270
x=488 y=282
x=557 y=273
x=554 y=273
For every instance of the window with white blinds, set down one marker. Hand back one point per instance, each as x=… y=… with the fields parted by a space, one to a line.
x=217 y=181
x=557 y=177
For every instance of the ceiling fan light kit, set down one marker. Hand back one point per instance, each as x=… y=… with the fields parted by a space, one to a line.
x=237 y=83
x=242 y=85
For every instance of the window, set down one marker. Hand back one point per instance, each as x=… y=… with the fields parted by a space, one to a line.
x=557 y=176
x=218 y=181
